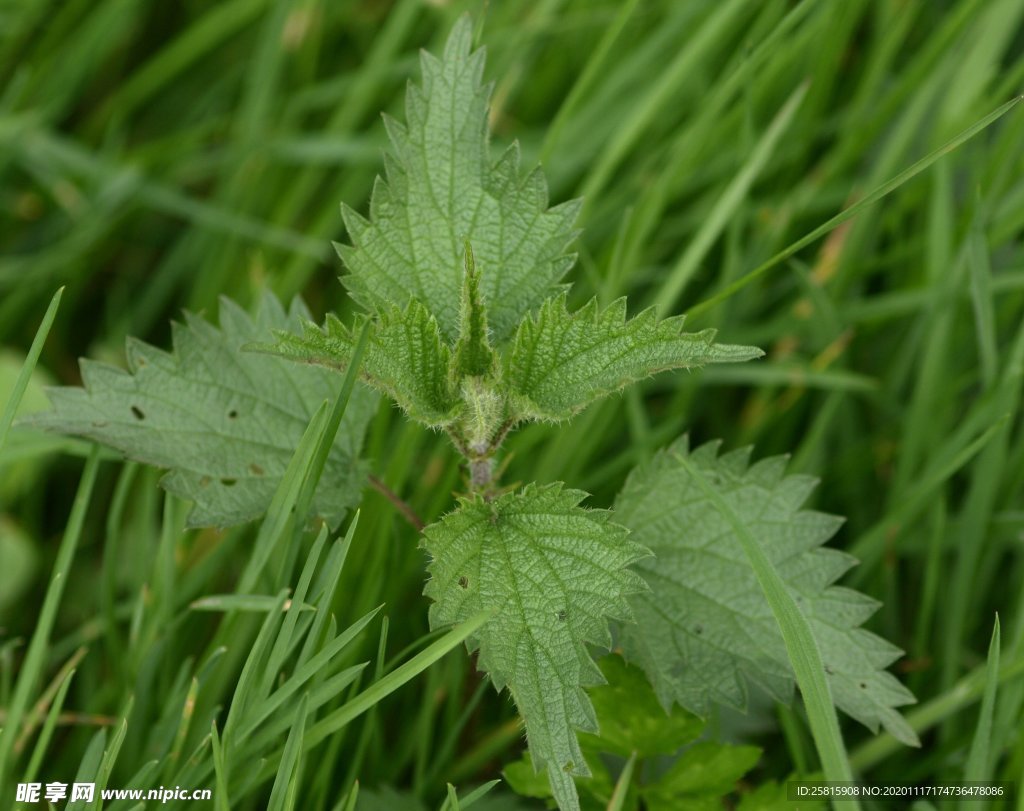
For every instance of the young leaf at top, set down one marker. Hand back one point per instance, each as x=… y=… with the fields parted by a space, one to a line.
x=474 y=356
x=560 y=362
x=705 y=627
x=553 y=573
x=224 y=422
x=470 y=255
x=442 y=189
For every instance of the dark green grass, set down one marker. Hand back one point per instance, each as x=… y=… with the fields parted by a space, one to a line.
x=155 y=155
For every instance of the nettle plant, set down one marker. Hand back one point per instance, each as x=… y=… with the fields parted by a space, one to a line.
x=458 y=270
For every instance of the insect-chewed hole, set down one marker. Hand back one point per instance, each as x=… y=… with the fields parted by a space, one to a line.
x=229 y=482
x=232 y=414
x=137 y=413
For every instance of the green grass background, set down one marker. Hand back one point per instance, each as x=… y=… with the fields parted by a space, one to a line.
x=155 y=155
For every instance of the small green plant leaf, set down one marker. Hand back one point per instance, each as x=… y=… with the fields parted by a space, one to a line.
x=630 y=717
x=594 y=791
x=441 y=190
x=223 y=421
x=773 y=795
x=701 y=777
x=553 y=573
x=705 y=629
x=474 y=356
x=405 y=358
x=560 y=362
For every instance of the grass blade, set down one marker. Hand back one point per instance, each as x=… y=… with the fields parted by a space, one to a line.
x=726 y=205
x=393 y=680
x=35 y=657
x=870 y=199
x=618 y=799
x=286 y=785
x=979 y=759
x=27 y=368
x=43 y=741
x=800 y=645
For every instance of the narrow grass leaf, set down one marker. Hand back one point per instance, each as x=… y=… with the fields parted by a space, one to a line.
x=220 y=776
x=870 y=199
x=725 y=207
x=35 y=657
x=451 y=802
x=980 y=757
x=14 y=400
x=478 y=794
x=393 y=680
x=286 y=784
x=89 y=766
x=618 y=798
x=252 y=672
x=796 y=631
x=257 y=603
x=111 y=753
x=46 y=733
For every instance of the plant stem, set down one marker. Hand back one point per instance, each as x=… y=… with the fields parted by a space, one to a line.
x=407 y=512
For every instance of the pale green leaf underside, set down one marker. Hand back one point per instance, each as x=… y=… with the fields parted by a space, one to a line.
x=705 y=629
x=404 y=358
x=223 y=421
x=442 y=189
x=553 y=573
x=560 y=362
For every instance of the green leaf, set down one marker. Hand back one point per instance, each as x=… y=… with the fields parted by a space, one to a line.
x=560 y=362
x=701 y=777
x=525 y=780
x=774 y=796
x=405 y=358
x=553 y=573
x=705 y=629
x=474 y=356
x=223 y=421
x=630 y=717
x=441 y=189
x=13 y=401
x=594 y=791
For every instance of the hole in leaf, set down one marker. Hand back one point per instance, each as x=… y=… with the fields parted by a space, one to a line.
x=229 y=482
x=464 y=582
x=137 y=413
x=232 y=414
x=863 y=686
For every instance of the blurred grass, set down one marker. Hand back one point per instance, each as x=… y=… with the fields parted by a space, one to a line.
x=157 y=154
